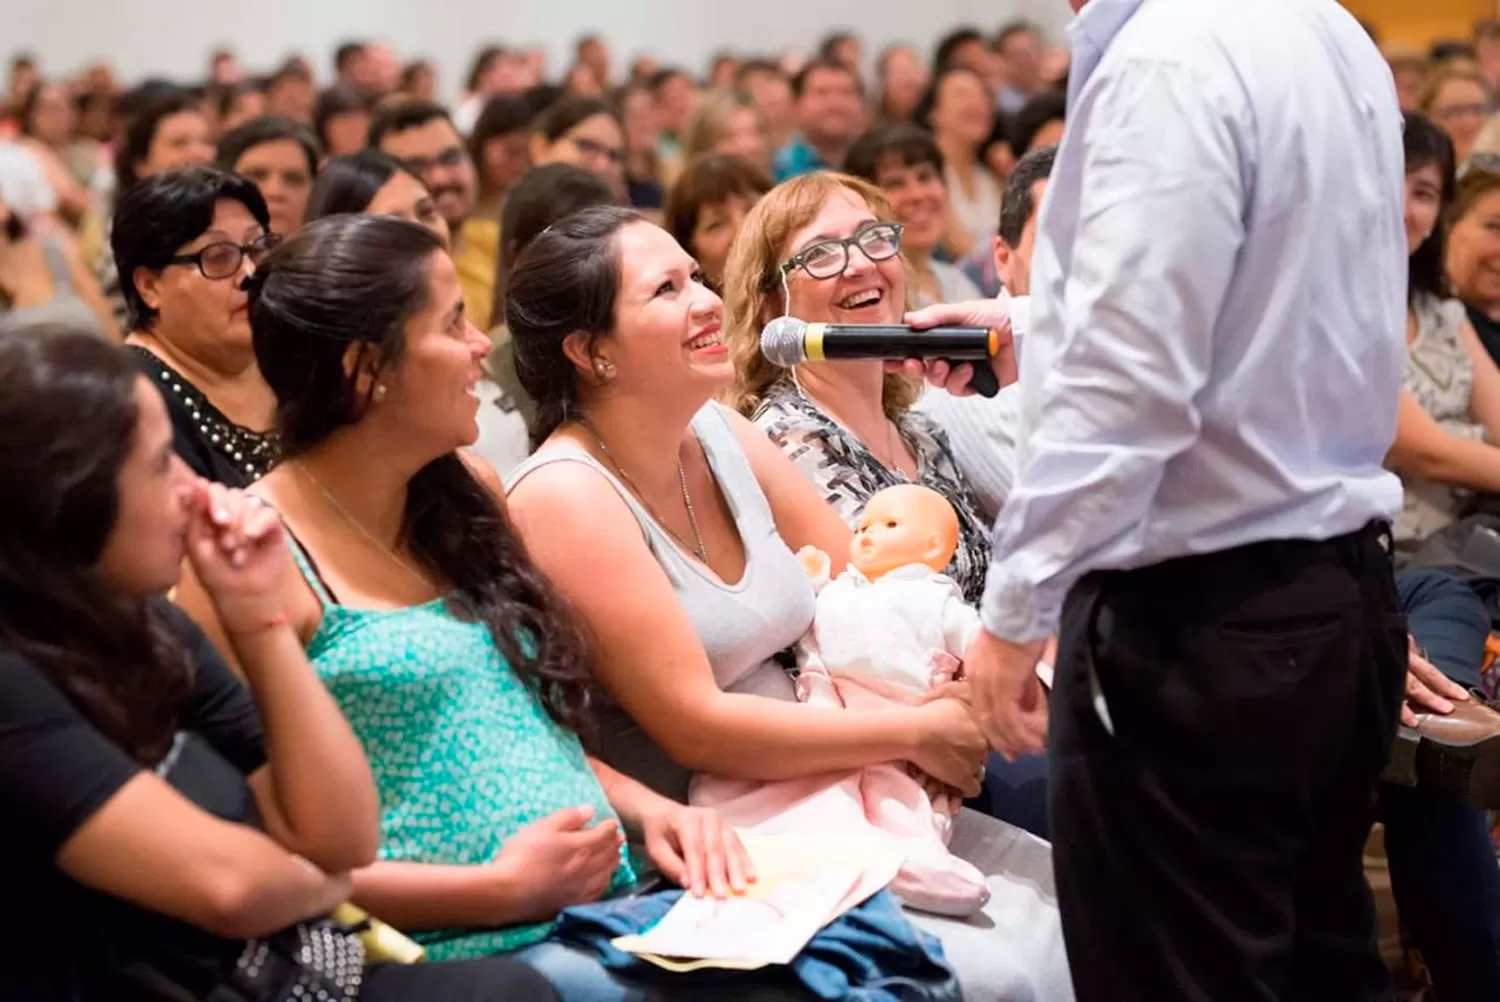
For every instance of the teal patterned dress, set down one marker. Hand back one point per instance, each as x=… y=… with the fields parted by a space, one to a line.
x=464 y=755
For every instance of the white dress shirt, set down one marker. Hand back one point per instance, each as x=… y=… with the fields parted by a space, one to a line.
x=1219 y=285
x=982 y=431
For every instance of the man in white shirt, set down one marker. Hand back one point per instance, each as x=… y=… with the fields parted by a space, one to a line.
x=1219 y=286
x=983 y=431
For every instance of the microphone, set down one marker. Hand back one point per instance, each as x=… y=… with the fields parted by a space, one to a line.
x=787 y=341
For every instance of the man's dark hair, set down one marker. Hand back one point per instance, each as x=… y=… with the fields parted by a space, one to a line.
x=391 y=118
x=1011 y=30
x=823 y=65
x=951 y=43
x=346 y=53
x=663 y=76
x=833 y=40
x=1017 y=206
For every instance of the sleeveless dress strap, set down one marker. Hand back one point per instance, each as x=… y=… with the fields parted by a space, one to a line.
x=57 y=266
x=308 y=568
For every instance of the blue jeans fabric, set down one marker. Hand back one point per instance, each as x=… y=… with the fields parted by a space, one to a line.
x=870 y=954
x=1443 y=871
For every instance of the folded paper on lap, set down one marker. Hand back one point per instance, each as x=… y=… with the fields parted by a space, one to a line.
x=803 y=883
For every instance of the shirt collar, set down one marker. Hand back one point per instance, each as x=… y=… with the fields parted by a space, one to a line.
x=1090 y=34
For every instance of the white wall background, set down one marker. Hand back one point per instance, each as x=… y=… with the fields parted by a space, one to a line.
x=173 y=37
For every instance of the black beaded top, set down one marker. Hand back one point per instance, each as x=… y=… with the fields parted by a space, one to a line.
x=214 y=446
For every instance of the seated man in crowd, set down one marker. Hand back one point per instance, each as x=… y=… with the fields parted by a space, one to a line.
x=421 y=135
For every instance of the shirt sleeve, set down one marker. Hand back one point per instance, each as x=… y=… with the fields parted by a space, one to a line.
x=56 y=769
x=1138 y=311
x=221 y=708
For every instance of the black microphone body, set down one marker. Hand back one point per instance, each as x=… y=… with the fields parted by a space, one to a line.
x=788 y=341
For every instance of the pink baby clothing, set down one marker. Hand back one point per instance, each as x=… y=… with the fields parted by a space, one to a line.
x=872 y=644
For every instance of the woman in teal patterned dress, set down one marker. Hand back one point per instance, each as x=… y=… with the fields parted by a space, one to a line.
x=464 y=678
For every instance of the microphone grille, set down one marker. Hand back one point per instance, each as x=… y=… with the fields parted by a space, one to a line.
x=782 y=341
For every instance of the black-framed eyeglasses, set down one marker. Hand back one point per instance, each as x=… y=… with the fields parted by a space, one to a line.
x=829 y=258
x=224 y=259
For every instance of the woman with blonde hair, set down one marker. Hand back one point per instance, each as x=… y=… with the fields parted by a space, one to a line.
x=825 y=248
x=726 y=122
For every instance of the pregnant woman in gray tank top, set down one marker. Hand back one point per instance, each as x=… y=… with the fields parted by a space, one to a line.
x=670 y=524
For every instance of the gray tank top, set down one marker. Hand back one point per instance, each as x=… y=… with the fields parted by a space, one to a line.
x=742 y=626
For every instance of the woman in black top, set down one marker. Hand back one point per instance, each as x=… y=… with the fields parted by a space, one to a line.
x=184 y=242
x=161 y=818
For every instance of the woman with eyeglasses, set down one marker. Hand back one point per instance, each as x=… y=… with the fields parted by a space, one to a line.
x=583 y=131
x=669 y=523
x=826 y=248
x=1460 y=100
x=185 y=241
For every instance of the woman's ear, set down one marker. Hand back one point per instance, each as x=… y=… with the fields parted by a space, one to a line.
x=148 y=286
x=578 y=349
x=362 y=364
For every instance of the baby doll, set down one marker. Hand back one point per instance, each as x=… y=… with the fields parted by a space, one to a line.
x=886 y=631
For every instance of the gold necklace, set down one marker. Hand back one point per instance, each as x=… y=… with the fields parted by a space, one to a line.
x=687 y=497
x=385 y=550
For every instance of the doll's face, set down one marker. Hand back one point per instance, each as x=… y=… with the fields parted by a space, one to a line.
x=904 y=525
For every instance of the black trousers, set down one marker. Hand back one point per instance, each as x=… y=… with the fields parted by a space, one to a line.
x=1210 y=848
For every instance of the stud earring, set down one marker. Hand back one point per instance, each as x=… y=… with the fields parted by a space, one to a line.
x=604 y=369
x=379 y=391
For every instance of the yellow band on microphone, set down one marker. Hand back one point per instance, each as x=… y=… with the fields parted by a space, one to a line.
x=813 y=342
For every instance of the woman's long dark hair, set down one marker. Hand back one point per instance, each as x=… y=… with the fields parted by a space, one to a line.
x=1426 y=144
x=358 y=279
x=68 y=418
x=565 y=281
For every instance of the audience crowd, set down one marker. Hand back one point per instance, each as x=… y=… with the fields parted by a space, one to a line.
x=446 y=433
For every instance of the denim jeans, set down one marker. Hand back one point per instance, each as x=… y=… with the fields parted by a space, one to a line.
x=579 y=976
x=1443 y=871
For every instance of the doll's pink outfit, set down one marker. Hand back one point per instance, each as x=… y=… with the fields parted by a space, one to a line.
x=873 y=644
